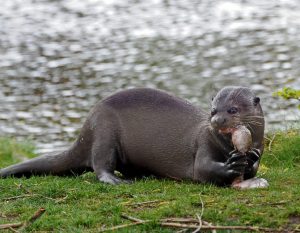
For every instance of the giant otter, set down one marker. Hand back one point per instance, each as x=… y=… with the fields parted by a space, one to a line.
x=150 y=132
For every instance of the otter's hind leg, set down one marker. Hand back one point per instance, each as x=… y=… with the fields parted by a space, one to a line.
x=104 y=158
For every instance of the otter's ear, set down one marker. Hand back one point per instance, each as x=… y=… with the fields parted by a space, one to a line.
x=256 y=100
x=212 y=98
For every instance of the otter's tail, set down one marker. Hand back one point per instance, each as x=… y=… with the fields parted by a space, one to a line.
x=65 y=163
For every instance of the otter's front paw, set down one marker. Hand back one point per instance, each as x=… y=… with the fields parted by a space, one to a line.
x=253 y=156
x=235 y=164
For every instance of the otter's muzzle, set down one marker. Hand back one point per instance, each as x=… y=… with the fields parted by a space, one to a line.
x=218 y=122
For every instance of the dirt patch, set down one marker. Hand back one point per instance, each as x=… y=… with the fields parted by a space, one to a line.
x=293 y=222
x=294 y=219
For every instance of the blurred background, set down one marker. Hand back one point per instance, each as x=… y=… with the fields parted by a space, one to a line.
x=59 y=57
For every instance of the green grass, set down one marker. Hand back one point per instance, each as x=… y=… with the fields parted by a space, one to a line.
x=82 y=204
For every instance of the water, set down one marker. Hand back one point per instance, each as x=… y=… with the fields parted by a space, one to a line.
x=58 y=58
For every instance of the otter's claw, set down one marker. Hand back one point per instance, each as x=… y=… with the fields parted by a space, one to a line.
x=233 y=152
x=253 y=156
x=236 y=157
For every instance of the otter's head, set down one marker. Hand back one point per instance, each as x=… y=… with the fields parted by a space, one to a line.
x=234 y=106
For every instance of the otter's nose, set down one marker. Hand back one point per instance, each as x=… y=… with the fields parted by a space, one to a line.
x=218 y=121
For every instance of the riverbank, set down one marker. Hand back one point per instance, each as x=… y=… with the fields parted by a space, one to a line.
x=82 y=204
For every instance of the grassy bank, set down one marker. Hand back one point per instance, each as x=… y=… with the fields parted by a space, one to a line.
x=82 y=204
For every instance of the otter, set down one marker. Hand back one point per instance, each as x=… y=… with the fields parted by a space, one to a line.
x=143 y=131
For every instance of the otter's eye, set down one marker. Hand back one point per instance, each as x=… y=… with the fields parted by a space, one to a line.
x=232 y=110
x=256 y=101
x=213 y=112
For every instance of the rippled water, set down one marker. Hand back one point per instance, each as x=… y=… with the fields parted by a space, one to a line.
x=58 y=58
